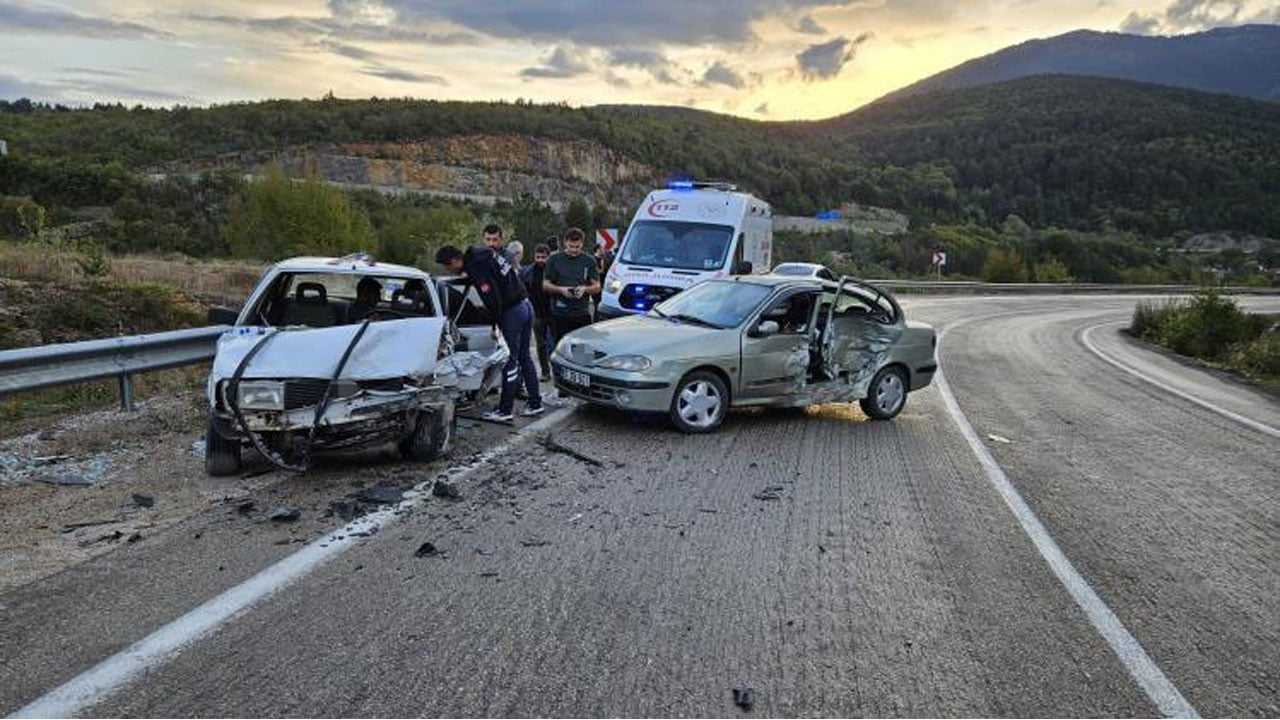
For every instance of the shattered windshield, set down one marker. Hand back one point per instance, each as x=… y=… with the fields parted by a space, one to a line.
x=319 y=300
x=680 y=245
x=715 y=303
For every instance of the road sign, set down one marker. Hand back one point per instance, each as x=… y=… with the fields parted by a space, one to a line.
x=939 y=258
x=607 y=238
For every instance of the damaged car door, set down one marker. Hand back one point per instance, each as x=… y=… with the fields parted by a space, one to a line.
x=858 y=327
x=776 y=347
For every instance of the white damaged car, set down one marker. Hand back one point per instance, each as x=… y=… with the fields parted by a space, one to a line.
x=344 y=353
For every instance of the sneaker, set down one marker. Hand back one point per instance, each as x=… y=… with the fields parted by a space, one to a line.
x=498 y=416
x=532 y=411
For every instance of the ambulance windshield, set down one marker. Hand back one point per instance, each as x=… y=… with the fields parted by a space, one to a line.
x=679 y=245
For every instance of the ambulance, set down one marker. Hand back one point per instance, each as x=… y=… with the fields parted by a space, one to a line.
x=687 y=233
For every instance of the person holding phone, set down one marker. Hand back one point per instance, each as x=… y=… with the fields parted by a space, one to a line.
x=571 y=276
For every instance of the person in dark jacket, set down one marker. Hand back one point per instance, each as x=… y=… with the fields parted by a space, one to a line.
x=503 y=294
x=533 y=275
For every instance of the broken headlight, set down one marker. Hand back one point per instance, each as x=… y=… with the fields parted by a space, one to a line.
x=260 y=395
x=628 y=363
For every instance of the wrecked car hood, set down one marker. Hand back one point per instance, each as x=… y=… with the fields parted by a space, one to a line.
x=388 y=349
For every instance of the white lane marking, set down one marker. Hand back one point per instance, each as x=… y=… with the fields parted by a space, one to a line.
x=1141 y=667
x=1087 y=341
x=99 y=682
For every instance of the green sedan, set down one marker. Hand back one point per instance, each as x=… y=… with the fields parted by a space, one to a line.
x=755 y=340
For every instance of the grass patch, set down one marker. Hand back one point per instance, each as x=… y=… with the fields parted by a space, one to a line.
x=30 y=411
x=1212 y=328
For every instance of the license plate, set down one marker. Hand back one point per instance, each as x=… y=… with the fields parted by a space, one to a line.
x=575 y=377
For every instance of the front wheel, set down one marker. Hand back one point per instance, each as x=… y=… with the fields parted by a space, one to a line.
x=700 y=402
x=432 y=435
x=221 y=456
x=887 y=394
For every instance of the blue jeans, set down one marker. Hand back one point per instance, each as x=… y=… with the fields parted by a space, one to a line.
x=517 y=331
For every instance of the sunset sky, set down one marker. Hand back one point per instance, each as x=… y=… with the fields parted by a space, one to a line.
x=775 y=59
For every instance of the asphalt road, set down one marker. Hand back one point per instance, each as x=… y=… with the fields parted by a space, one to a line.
x=887 y=577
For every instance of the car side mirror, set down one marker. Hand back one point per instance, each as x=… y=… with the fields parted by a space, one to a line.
x=743 y=267
x=222 y=316
x=765 y=329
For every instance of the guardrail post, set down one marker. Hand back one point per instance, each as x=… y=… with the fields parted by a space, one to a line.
x=126 y=392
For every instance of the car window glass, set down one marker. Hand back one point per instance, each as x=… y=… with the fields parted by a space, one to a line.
x=318 y=299
x=681 y=245
x=718 y=302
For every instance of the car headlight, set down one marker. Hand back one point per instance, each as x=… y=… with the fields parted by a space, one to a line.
x=628 y=363
x=260 y=395
x=615 y=286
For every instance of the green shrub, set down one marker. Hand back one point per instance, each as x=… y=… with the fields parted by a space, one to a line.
x=278 y=218
x=1150 y=315
x=1003 y=267
x=1259 y=357
x=1206 y=327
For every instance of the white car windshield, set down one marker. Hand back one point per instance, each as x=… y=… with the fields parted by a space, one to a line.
x=680 y=245
x=715 y=303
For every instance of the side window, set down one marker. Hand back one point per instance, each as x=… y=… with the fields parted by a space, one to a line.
x=793 y=313
x=739 y=252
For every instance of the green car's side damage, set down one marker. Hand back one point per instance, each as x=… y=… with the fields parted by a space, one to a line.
x=765 y=340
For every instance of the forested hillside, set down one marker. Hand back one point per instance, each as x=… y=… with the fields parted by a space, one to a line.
x=1083 y=153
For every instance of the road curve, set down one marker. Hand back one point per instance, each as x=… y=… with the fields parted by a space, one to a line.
x=886 y=577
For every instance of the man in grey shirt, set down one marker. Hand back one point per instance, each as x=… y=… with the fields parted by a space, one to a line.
x=571 y=276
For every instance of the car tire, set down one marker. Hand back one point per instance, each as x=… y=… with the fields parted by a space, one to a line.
x=432 y=436
x=221 y=456
x=700 y=402
x=886 y=395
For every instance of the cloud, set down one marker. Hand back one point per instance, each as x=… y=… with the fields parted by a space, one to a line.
x=721 y=74
x=809 y=26
x=1183 y=16
x=655 y=63
x=1139 y=24
x=400 y=75
x=56 y=21
x=99 y=72
x=825 y=60
x=76 y=91
x=348 y=51
x=564 y=62
x=345 y=29
x=762 y=108
x=592 y=23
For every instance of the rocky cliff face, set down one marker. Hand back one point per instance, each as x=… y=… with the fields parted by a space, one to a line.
x=480 y=167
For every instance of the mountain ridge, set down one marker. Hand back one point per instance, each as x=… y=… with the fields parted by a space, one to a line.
x=1242 y=60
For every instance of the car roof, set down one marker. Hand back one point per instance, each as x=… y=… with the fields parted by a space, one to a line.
x=776 y=280
x=809 y=265
x=349 y=264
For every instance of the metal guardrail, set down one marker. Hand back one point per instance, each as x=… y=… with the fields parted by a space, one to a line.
x=122 y=357
x=973 y=287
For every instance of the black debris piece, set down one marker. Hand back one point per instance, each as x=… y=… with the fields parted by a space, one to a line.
x=773 y=492
x=821 y=550
x=244 y=508
x=549 y=442
x=134 y=538
x=744 y=697
x=381 y=494
x=426 y=549
x=258 y=472
x=285 y=514
x=74 y=526
x=446 y=489
x=143 y=501
x=534 y=542
x=488 y=573
x=346 y=509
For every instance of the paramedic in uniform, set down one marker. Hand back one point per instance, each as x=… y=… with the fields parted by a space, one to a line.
x=499 y=286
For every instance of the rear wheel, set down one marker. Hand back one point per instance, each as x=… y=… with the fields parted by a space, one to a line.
x=221 y=456
x=887 y=394
x=432 y=435
x=700 y=402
